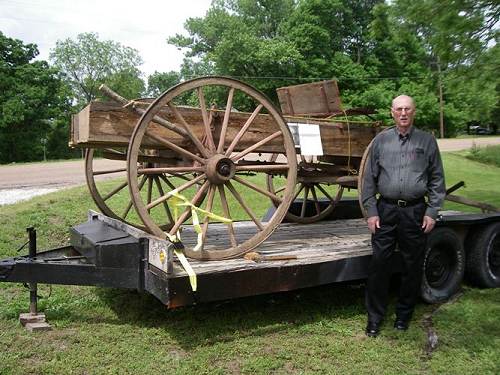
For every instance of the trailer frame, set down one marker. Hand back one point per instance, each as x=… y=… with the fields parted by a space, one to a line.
x=106 y=252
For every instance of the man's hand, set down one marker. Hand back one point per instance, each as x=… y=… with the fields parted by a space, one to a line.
x=373 y=223
x=428 y=224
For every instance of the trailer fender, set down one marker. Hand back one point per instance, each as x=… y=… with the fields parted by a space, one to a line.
x=444 y=266
x=483 y=257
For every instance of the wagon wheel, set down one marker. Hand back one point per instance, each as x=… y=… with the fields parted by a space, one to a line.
x=235 y=188
x=361 y=174
x=324 y=196
x=112 y=197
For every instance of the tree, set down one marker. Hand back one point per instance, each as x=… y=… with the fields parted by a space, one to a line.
x=456 y=35
x=160 y=82
x=88 y=62
x=375 y=49
x=33 y=102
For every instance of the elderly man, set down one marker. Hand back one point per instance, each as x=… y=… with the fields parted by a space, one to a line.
x=403 y=168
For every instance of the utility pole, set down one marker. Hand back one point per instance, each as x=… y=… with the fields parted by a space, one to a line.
x=44 y=145
x=441 y=104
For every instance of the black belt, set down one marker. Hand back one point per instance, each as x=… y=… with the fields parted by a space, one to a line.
x=402 y=202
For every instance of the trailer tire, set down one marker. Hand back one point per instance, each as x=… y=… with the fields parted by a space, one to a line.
x=483 y=257
x=444 y=266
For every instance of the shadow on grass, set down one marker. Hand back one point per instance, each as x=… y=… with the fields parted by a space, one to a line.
x=225 y=321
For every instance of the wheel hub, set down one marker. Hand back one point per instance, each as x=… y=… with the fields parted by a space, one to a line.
x=220 y=169
x=438 y=267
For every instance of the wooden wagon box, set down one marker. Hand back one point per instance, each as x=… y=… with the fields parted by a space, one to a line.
x=108 y=124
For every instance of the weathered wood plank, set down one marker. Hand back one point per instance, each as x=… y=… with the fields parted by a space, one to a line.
x=317 y=98
x=311 y=243
x=104 y=124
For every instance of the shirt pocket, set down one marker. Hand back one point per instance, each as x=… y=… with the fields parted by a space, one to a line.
x=418 y=161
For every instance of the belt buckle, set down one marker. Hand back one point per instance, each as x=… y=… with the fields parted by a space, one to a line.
x=401 y=203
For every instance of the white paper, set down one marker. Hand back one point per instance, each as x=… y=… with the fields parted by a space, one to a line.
x=310 y=140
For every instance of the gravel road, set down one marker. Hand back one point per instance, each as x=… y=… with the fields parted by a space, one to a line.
x=18 y=182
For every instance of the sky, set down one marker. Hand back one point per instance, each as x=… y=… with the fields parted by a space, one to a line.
x=144 y=25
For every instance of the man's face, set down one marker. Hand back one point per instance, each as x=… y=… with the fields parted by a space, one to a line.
x=403 y=112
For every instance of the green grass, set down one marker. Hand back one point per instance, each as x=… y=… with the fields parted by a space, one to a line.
x=488 y=155
x=317 y=330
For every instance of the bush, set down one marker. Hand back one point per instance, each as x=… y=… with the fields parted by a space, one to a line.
x=487 y=155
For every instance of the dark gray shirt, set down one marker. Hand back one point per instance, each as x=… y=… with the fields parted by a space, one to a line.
x=404 y=168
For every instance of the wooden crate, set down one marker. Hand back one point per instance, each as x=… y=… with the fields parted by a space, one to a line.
x=318 y=99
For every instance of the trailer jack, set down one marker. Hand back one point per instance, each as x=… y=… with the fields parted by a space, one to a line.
x=33 y=320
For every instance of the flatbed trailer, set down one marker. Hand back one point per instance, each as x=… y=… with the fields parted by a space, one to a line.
x=109 y=253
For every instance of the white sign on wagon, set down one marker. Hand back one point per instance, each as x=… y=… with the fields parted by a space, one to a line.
x=310 y=139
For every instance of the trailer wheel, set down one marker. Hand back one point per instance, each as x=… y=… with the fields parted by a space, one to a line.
x=483 y=258
x=444 y=266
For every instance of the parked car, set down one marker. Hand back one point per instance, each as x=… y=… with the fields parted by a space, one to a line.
x=480 y=130
x=483 y=131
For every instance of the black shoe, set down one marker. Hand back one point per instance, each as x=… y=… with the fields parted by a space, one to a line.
x=372 y=329
x=401 y=324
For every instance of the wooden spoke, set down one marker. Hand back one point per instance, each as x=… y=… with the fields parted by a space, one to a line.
x=243 y=130
x=280 y=189
x=165 y=205
x=225 y=122
x=304 y=202
x=182 y=177
x=127 y=209
x=210 y=201
x=169 y=170
x=150 y=191
x=165 y=197
x=256 y=145
x=198 y=196
x=165 y=179
x=129 y=206
x=298 y=192
x=206 y=122
x=244 y=205
x=227 y=214
x=176 y=148
x=258 y=189
x=96 y=173
x=190 y=134
x=262 y=168
x=325 y=193
x=316 y=202
x=115 y=190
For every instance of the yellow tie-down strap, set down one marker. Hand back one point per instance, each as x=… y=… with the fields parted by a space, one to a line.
x=178 y=200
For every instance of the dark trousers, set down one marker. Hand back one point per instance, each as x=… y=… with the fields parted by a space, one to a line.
x=400 y=226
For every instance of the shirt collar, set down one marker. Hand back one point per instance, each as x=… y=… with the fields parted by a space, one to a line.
x=407 y=135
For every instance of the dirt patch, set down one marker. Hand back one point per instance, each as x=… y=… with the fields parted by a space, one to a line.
x=428 y=325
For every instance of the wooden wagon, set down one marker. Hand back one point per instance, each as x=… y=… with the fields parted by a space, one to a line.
x=225 y=147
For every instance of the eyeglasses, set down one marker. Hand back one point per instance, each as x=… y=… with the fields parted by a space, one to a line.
x=404 y=109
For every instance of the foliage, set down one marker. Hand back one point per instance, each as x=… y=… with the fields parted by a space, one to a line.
x=375 y=49
x=160 y=82
x=487 y=155
x=33 y=103
x=87 y=62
